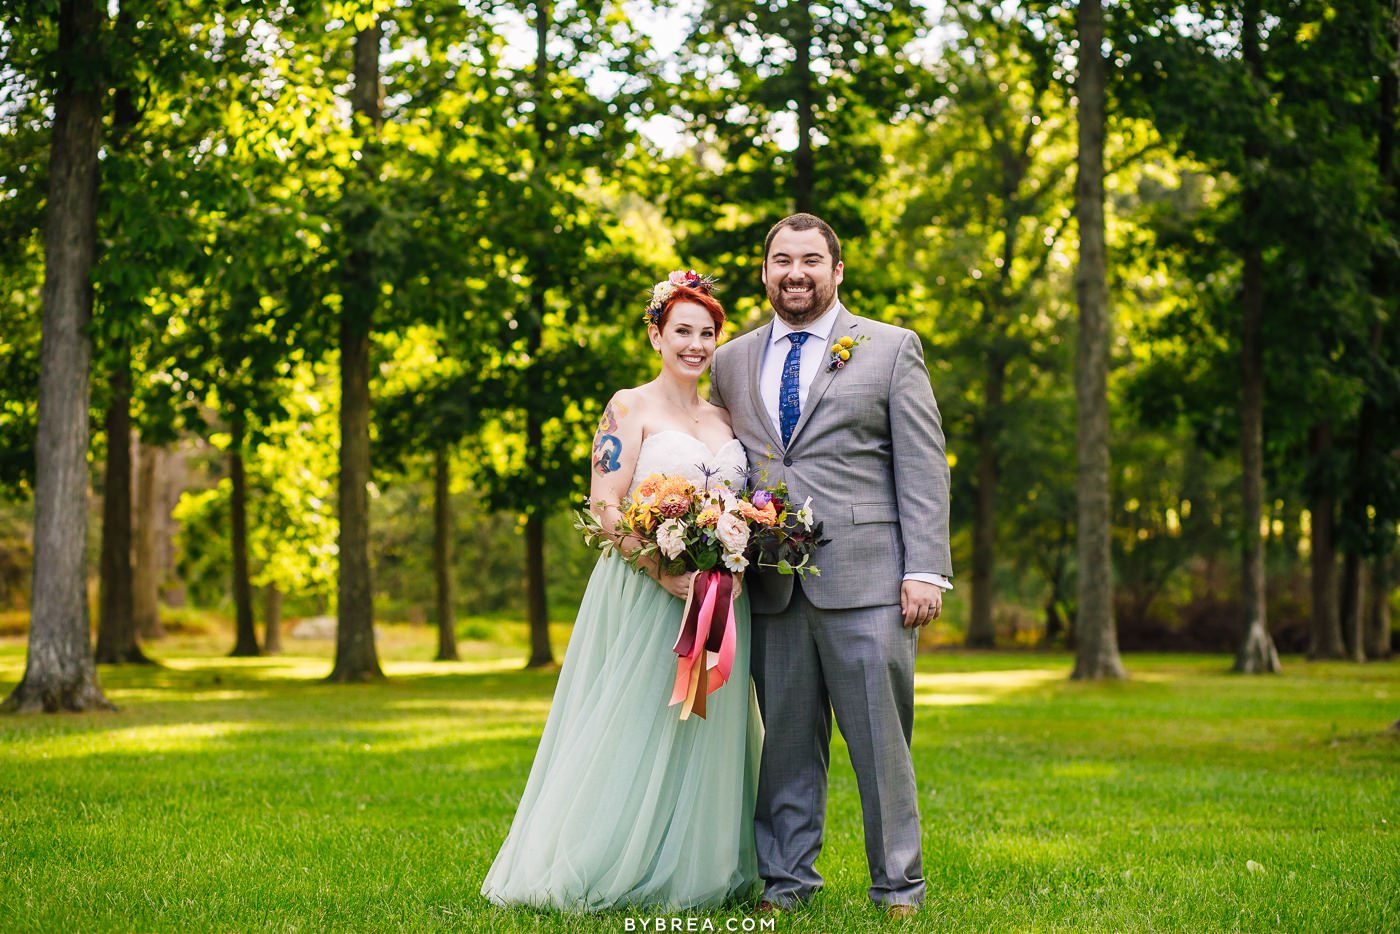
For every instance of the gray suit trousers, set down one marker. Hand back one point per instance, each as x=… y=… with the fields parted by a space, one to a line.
x=808 y=662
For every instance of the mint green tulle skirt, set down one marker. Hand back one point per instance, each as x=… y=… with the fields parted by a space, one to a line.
x=626 y=805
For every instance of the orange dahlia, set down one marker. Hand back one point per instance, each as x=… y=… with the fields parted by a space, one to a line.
x=674 y=505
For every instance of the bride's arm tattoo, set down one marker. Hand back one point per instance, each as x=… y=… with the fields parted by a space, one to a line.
x=607 y=445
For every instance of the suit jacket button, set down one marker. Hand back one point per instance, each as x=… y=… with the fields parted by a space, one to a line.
x=787 y=461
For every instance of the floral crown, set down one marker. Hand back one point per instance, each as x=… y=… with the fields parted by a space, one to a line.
x=661 y=292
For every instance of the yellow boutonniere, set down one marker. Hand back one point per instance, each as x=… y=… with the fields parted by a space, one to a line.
x=841 y=351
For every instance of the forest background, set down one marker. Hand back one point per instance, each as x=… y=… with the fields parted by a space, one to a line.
x=362 y=276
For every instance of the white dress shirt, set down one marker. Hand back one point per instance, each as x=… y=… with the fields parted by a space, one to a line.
x=770 y=383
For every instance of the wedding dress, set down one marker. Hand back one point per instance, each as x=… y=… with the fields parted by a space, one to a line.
x=626 y=805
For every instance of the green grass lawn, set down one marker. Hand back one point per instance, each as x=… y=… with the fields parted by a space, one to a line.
x=243 y=794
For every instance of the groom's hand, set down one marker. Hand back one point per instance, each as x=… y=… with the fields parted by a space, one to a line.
x=920 y=602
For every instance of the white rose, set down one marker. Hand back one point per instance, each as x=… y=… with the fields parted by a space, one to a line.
x=804 y=515
x=732 y=532
x=671 y=538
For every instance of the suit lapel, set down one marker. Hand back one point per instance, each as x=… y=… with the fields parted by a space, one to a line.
x=755 y=364
x=845 y=324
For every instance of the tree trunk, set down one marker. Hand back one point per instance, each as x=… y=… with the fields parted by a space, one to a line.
x=59 y=670
x=1351 y=598
x=1325 y=640
x=1054 y=620
x=356 y=658
x=804 y=163
x=116 y=623
x=174 y=477
x=540 y=652
x=146 y=568
x=1378 y=628
x=1056 y=623
x=1096 y=634
x=981 y=629
x=246 y=644
x=1378 y=613
x=1256 y=652
x=442 y=556
x=536 y=597
x=116 y=626
x=272 y=619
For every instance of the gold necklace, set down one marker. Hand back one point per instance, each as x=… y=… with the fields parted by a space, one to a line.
x=693 y=418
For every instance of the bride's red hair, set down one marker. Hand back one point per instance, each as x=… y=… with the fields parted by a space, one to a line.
x=684 y=293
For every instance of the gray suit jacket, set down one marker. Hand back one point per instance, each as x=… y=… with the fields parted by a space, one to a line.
x=868 y=449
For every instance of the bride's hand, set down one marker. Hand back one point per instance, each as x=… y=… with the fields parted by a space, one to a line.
x=677 y=585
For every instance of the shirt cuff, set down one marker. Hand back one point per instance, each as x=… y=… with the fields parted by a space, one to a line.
x=937 y=579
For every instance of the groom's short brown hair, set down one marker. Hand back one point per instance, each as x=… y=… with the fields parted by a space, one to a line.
x=806 y=222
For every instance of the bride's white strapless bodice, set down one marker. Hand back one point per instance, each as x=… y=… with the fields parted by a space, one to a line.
x=676 y=453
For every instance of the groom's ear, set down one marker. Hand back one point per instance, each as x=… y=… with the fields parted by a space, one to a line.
x=838 y=273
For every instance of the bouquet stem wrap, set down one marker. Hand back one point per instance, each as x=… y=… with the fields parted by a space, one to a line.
x=705 y=645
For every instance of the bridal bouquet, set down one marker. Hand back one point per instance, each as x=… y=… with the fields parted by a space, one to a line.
x=717 y=532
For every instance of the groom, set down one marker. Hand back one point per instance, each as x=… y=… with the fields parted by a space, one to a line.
x=865 y=441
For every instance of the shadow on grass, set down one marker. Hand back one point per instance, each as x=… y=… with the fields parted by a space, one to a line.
x=1181 y=709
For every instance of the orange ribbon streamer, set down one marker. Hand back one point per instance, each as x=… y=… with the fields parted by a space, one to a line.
x=705 y=644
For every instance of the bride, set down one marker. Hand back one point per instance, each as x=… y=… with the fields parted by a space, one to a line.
x=627 y=805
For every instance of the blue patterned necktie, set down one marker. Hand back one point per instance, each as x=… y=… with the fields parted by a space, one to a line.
x=789 y=396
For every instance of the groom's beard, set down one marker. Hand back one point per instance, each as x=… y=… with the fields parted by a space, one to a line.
x=801 y=310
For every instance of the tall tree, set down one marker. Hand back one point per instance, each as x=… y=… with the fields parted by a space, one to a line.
x=59 y=670
x=540 y=269
x=1095 y=631
x=356 y=658
x=1256 y=652
x=116 y=626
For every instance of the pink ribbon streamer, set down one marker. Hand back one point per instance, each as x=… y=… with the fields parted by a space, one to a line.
x=705 y=643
